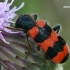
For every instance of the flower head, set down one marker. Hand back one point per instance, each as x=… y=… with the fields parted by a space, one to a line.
x=6 y=16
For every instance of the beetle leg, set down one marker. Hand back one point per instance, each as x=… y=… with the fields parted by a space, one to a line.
x=38 y=48
x=56 y=28
x=28 y=45
x=35 y=16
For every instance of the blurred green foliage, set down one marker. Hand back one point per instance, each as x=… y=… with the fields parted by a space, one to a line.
x=51 y=11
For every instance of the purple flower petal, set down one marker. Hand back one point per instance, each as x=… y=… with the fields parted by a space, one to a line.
x=2 y=38
x=6 y=17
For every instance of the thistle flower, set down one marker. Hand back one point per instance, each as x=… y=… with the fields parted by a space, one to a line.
x=6 y=17
x=13 y=55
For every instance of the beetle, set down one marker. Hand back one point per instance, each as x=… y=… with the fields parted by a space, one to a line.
x=47 y=38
